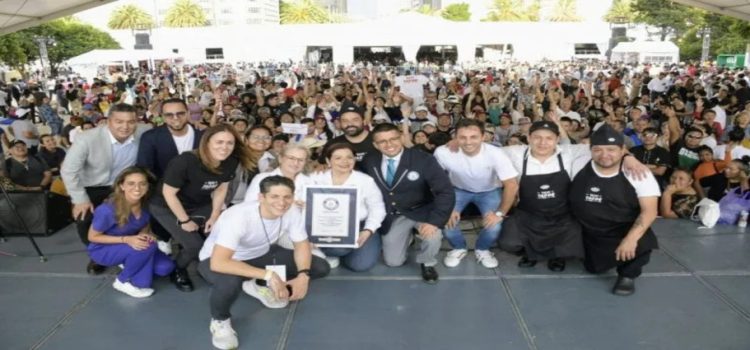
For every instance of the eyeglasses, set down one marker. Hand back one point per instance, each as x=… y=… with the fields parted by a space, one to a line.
x=295 y=159
x=391 y=140
x=174 y=115
x=261 y=138
x=694 y=137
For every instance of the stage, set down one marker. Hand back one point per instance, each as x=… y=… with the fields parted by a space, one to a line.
x=695 y=294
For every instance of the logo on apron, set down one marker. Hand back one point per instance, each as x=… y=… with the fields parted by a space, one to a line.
x=593 y=195
x=545 y=192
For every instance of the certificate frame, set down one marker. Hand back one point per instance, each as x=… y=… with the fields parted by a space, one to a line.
x=324 y=223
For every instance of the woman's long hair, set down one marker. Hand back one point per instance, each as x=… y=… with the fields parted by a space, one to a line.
x=240 y=151
x=123 y=209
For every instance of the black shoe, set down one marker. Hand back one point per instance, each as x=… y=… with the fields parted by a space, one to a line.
x=624 y=286
x=181 y=280
x=526 y=262
x=95 y=269
x=429 y=274
x=556 y=264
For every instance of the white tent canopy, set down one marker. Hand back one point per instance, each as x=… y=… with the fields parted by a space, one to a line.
x=103 y=57
x=735 y=8
x=19 y=14
x=646 y=52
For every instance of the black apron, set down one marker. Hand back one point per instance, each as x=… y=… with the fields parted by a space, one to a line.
x=542 y=222
x=606 y=209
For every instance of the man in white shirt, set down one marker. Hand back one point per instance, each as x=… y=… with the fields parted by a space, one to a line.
x=242 y=247
x=476 y=171
x=658 y=85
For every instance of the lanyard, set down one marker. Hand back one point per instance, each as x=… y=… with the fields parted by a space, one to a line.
x=268 y=239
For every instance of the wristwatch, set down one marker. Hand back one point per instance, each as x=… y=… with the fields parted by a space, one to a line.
x=499 y=213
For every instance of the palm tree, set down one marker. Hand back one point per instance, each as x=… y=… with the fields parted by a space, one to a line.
x=130 y=17
x=513 y=11
x=620 y=12
x=185 y=13
x=565 y=11
x=303 y=12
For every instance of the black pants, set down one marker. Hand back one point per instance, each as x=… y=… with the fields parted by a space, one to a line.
x=226 y=288
x=97 y=195
x=191 y=242
x=629 y=269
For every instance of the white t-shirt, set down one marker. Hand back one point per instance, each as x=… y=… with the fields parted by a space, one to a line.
x=647 y=187
x=480 y=173
x=184 y=143
x=737 y=153
x=240 y=228
x=301 y=181
x=413 y=86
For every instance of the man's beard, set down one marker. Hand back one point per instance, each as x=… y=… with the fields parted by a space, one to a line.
x=356 y=132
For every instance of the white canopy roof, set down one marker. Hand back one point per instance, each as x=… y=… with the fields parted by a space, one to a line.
x=735 y=8
x=647 y=46
x=19 y=14
x=100 y=57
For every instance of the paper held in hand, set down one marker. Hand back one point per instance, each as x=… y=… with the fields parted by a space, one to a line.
x=331 y=216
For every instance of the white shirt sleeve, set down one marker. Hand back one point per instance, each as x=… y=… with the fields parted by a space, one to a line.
x=229 y=230
x=296 y=226
x=515 y=154
x=373 y=202
x=503 y=166
x=647 y=187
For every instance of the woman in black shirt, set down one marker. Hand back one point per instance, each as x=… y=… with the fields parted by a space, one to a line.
x=736 y=174
x=193 y=191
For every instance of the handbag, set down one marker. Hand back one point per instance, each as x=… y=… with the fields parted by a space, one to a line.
x=707 y=212
x=730 y=206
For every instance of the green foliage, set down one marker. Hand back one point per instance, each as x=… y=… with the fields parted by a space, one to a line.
x=671 y=18
x=513 y=11
x=565 y=11
x=130 y=17
x=457 y=12
x=304 y=12
x=728 y=36
x=72 y=39
x=620 y=12
x=185 y=13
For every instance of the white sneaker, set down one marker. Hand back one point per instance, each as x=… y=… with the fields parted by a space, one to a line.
x=454 y=257
x=132 y=290
x=333 y=261
x=264 y=294
x=165 y=247
x=486 y=258
x=223 y=335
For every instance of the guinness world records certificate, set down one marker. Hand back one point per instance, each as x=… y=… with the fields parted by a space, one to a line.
x=331 y=218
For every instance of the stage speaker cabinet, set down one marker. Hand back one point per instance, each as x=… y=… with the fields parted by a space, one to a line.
x=43 y=213
x=142 y=41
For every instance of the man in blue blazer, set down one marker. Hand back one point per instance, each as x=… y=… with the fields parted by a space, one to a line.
x=160 y=145
x=417 y=194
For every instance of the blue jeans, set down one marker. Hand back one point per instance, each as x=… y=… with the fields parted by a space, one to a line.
x=487 y=202
x=359 y=259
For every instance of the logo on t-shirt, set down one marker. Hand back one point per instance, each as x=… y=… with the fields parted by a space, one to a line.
x=209 y=185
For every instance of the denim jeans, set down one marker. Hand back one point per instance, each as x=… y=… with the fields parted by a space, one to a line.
x=487 y=202
x=359 y=259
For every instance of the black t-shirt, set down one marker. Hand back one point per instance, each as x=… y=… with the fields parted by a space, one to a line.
x=53 y=159
x=684 y=157
x=362 y=148
x=195 y=181
x=655 y=156
x=29 y=173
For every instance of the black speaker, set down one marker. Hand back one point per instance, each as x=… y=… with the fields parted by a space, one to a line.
x=142 y=41
x=43 y=213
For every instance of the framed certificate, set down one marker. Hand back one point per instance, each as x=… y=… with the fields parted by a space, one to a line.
x=331 y=218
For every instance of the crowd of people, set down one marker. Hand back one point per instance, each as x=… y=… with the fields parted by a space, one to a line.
x=208 y=165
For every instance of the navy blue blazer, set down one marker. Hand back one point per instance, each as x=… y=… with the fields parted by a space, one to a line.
x=421 y=190
x=157 y=148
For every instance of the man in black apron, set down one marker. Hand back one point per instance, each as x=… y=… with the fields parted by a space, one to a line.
x=615 y=211
x=542 y=225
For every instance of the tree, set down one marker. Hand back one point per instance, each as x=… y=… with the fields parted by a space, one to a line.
x=620 y=12
x=513 y=11
x=303 y=12
x=185 y=13
x=72 y=39
x=671 y=19
x=130 y=17
x=565 y=11
x=457 y=12
x=728 y=35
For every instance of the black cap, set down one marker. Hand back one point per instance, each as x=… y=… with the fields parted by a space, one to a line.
x=17 y=142
x=544 y=125
x=607 y=136
x=348 y=106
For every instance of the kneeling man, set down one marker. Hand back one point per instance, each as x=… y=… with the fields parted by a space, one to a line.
x=615 y=211
x=242 y=247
